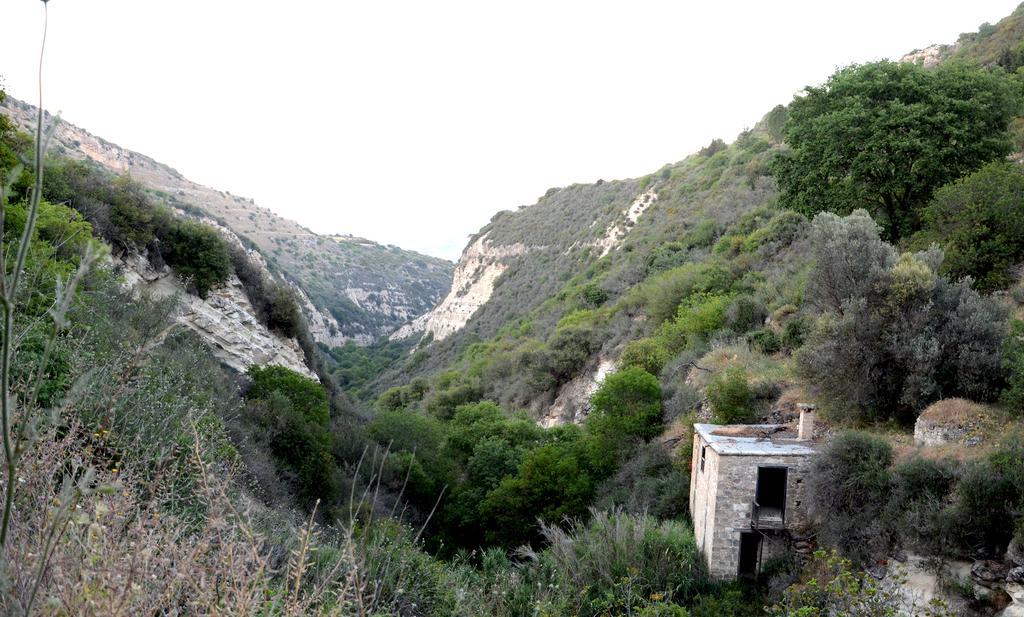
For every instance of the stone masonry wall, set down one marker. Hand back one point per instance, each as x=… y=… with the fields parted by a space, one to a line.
x=721 y=498
x=703 y=490
x=737 y=488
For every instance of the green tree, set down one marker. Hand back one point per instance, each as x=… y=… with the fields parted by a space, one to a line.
x=628 y=404
x=883 y=136
x=198 y=254
x=293 y=412
x=979 y=222
x=306 y=395
x=552 y=483
x=894 y=335
x=645 y=353
x=626 y=409
x=416 y=441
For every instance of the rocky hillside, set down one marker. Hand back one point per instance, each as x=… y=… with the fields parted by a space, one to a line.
x=225 y=319
x=358 y=290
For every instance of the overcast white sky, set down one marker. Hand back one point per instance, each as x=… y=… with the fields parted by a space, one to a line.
x=412 y=123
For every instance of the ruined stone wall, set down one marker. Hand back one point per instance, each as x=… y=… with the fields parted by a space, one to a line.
x=703 y=491
x=721 y=499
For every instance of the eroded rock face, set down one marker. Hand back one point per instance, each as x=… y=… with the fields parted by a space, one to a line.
x=989 y=572
x=388 y=286
x=617 y=231
x=1015 y=552
x=1016 y=593
x=919 y=585
x=928 y=57
x=225 y=318
x=573 y=402
x=472 y=285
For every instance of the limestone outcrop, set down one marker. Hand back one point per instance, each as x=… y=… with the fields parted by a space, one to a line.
x=573 y=402
x=472 y=285
x=225 y=318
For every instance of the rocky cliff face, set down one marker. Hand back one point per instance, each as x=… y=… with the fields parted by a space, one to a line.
x=355 y=290
x=928 y=57
x=472 y=285
x=573 y=402
x=225 y=319
x=586 y=236
x=518 y=262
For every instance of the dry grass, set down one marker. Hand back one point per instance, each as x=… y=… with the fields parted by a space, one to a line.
x=93 y=541
x=765 y=374
x=956 y=411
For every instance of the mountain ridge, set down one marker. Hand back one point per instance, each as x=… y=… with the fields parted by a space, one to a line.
x=358 y=290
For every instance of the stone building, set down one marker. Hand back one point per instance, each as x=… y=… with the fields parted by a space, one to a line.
x=747 y=492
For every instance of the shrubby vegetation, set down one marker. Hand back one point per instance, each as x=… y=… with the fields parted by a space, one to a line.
x=894 y=334
x=730 y=397
x=979 y=221
x=451 y=500
x=198 y=254
x=865 y=506
x=847 y=489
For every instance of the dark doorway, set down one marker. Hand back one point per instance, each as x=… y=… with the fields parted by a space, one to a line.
x=750 y=546
x=771 y=494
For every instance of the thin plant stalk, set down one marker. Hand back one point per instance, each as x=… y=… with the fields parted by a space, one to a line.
x=8 y=297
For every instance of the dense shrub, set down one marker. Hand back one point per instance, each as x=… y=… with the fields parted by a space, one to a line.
x=418 y=441
x=650 y=482
x=292 y=411
x=979 y=222
x=730 y=397
x=568 y=350
x=645 y=353
x=662 y=294
x=847 y=490
x=743 y=314
x=626 y=408
x=699 y=316
x=794 y=333
x=198 y=253
x=400 y=397
x=552 y=483
x=275 y=303
x=592 y=295
x=1012 y=396
x=443 y=402
x=764 y=340
x=916 y=507
x=306 y=395
x=989 y=503
x=619 y=562
x=474 y=423
x=894 y=334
